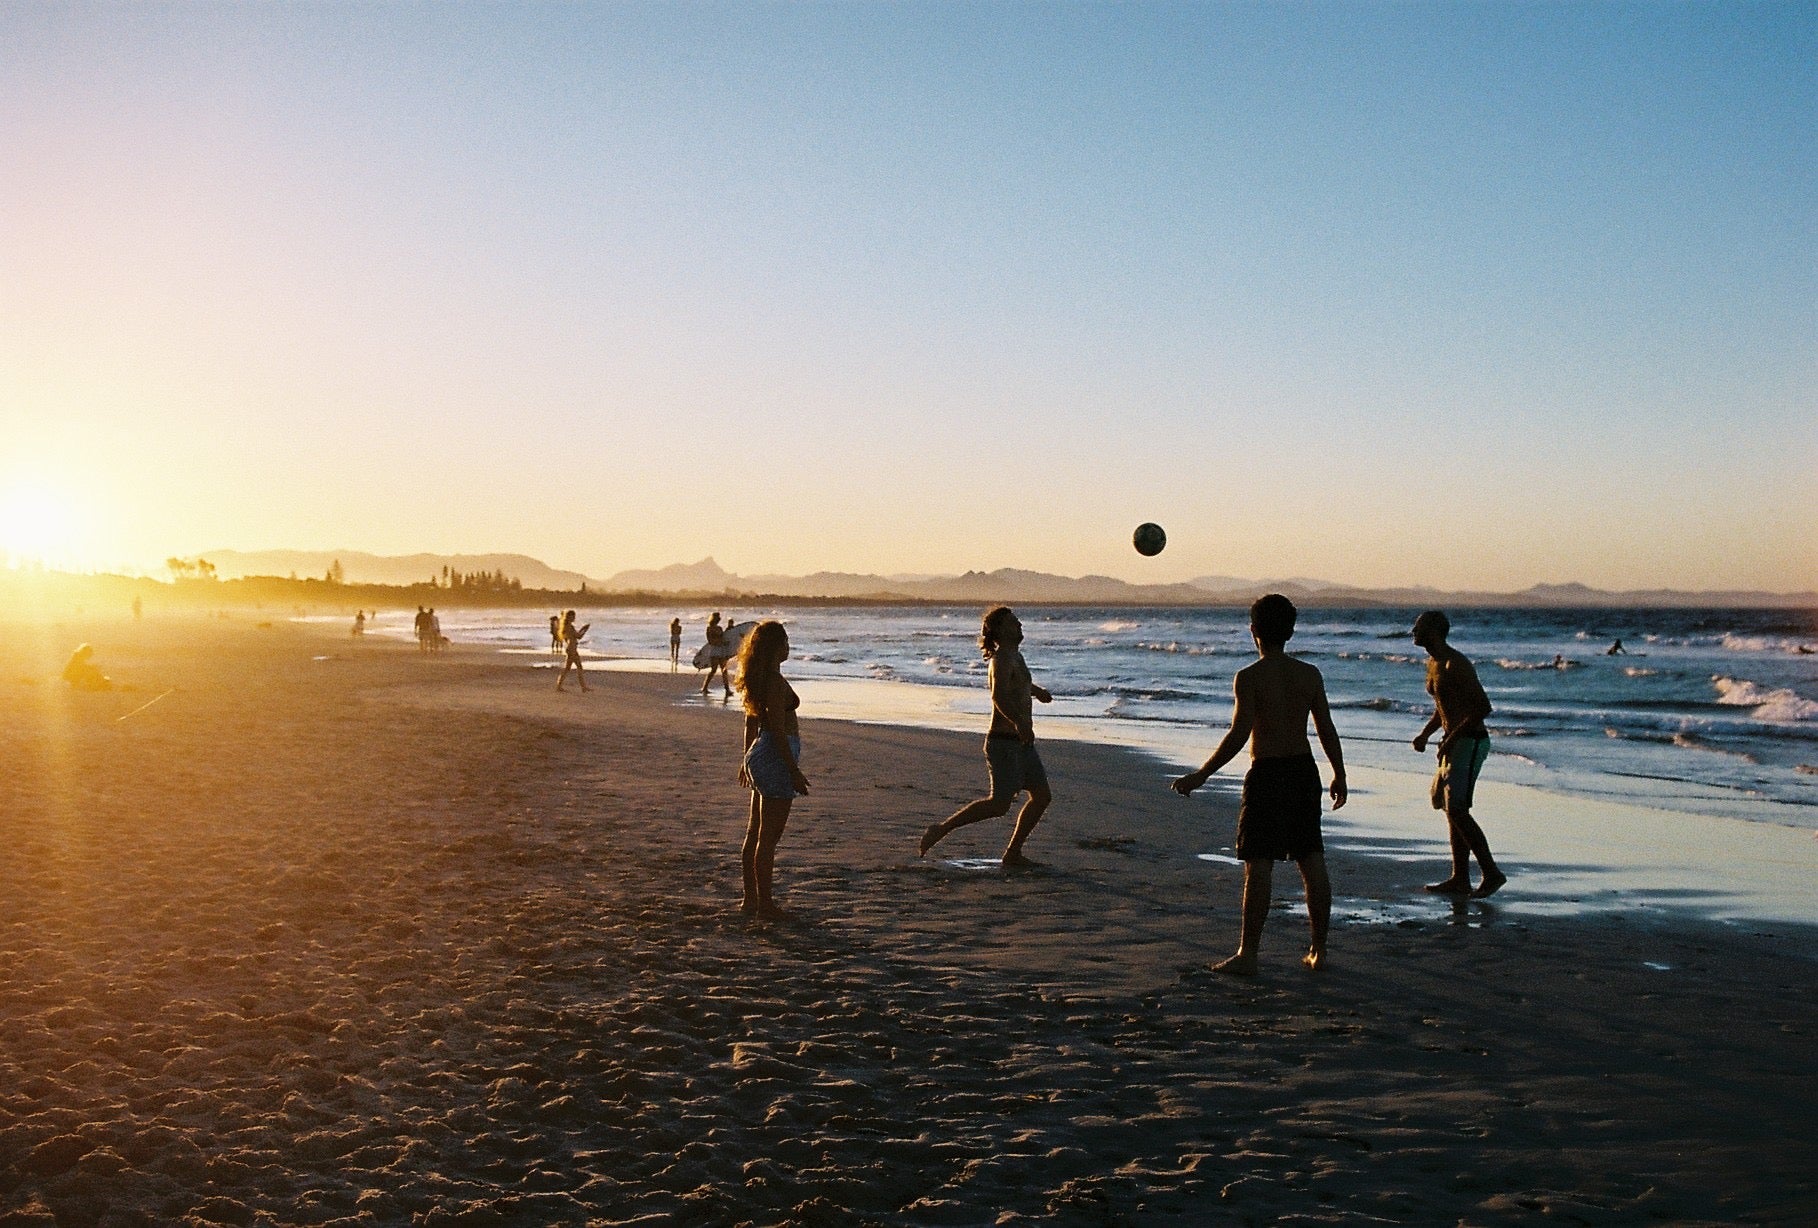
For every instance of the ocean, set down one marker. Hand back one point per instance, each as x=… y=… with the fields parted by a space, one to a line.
x=1708 y=711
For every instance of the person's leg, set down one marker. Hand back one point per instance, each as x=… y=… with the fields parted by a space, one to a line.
x=1026 y=819
x=1319 y=907
x=1458 y=882
x=773 y=817
x=564 y=678
x=748 y=858
x=1259 y=876
x=580 y=673
x=1467 y=832
x=972 y=812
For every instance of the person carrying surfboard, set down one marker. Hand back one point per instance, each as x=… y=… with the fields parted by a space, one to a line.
x=719 y=655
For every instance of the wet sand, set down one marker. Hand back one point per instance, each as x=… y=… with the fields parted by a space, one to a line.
x=336 y=934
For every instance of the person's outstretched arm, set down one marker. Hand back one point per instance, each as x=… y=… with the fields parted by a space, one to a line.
x=1234 y=739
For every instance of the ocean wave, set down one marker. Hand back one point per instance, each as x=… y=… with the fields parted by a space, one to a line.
x=1637 y=671
x=1779 y=705
x=1175 y=646
x=1118 y=624
x=1556 y=664
x=1735 y=642
x=1691 y=741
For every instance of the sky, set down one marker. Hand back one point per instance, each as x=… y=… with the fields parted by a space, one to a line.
x=1468 y=295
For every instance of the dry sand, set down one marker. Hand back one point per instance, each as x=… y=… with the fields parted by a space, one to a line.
x=376 y=939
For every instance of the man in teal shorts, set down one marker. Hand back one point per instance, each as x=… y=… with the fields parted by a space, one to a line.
x=1459 y=706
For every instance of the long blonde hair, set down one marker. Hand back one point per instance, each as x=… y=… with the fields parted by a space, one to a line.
x=761 y=662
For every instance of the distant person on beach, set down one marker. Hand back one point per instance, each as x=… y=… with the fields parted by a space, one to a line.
x=359 y=627
x=422 y=629
x=1278 y=818
x=571 y=646
x=1616 y=650
x=1013 y=763
x=719 y=655
x=675 y=642
x=771 y=765
x=555 y=632
x=81 y=672
x=1459 y=707
x=436 y=638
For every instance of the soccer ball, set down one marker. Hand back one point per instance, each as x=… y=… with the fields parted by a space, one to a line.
x=1149 y=539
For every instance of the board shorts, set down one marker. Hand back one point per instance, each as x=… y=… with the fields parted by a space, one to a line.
x=1279 y=817
x=1014 y=766
x=764 y=765
x=1456 y=780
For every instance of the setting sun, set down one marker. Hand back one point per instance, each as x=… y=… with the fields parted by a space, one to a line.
x=38 y=524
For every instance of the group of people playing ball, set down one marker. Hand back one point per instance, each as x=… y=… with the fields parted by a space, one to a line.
x=1278 y=818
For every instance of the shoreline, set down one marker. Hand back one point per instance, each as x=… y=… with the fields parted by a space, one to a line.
x=338 y=935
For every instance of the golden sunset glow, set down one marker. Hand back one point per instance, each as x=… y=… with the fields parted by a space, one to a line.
x=40 y=523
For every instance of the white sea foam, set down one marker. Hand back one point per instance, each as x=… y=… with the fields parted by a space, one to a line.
x=1777 y=705
x=1764 y=643
x=1637 y=671
x=1117 y=624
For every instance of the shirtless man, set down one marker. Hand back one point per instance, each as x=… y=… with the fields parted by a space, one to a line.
x=1459 y=706
x=1279 y=817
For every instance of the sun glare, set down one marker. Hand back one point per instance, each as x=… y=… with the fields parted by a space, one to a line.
x=38 y=525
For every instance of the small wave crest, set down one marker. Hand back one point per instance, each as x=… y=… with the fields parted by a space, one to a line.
x=1737 y=642
x=1637 y=671
x=1691 y=741
x=1778 y=705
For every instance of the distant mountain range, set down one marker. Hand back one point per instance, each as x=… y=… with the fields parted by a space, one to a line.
x=708 y=580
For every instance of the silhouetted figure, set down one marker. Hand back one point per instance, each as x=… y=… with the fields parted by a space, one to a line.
x=436 y=638
x=1459 y=708
x=1278 y=819
x=359 y=627
x=421 y=626
x=571 y=645
x=719 y=655
x=555 y=633
x=675 y=643
x=1616 y=650
x=1011 y=759
x=771 y=765
x=81 y=672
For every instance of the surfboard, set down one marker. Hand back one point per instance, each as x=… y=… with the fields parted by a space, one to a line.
x=735 y=635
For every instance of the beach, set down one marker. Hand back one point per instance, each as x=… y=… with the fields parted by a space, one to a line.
x=334 y=933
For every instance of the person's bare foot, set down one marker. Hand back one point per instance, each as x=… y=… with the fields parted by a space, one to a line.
x=1491 y=884
x=749 y=907
x=931 y=837
x=1238 y=965
x=1450 y=886
x=769 y=911
x=1015 y=861
x=1314 y=959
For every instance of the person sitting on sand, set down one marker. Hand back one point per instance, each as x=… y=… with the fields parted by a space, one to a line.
x=719 y=655
x=771 y=764
x=571 y=645
x=81 y=672
x=1278 y=818
x=1459 y=706
x=1011 y=759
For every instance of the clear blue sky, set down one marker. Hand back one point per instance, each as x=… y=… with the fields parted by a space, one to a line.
x=1468 y=295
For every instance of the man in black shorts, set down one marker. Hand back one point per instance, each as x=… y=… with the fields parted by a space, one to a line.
x=1279 y=817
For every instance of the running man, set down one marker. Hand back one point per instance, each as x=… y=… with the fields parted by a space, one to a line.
x=1010 y=755
x=1459 y=706
x=1278 y=819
